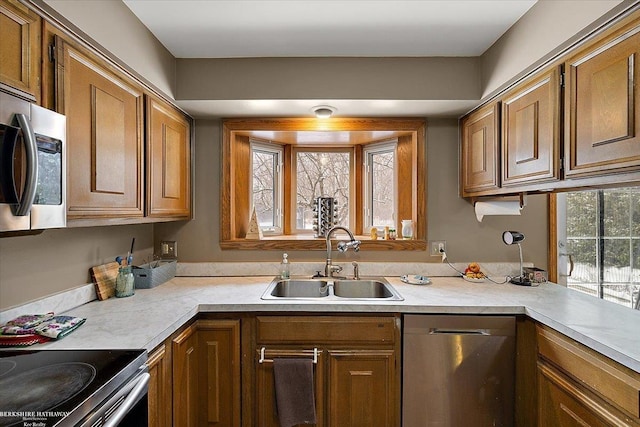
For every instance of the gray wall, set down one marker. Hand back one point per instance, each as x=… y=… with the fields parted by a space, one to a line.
x=329 y=78
x=449 y=217
x=32 y=267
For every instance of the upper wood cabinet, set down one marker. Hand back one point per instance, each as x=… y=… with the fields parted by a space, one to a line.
x=20 y=48
x=168 y=160
x=531 y=131
x=480 y=166
x=602 y=105
x=104 y=112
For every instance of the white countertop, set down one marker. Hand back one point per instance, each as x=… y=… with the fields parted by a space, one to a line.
x=147 y=318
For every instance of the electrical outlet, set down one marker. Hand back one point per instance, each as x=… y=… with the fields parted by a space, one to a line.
x=168 y=249
x=436 y=246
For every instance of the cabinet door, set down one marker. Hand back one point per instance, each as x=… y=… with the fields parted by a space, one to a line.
x=160 y=384
x=206 y=374
x=20 y=47
x=602 y=106
x=218 y=373
x=362 y=389
x=265 y=395
x=185 y=377
x=168 y=161
x=531 y=132
x=563 y=404
x=104 y=136
x=480 y=141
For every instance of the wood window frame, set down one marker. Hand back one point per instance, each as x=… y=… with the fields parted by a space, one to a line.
x=235 y=195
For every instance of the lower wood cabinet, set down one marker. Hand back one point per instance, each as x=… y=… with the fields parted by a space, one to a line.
x=579 y=387
x=160 y=407
x=195 y=376
x=206 y=374
x=361 y=388
x=356 y=374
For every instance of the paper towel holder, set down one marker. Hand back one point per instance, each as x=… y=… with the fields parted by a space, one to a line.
x=521 y=196
x=515 y=237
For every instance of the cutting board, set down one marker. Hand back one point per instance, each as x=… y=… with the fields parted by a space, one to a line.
x=104 y=277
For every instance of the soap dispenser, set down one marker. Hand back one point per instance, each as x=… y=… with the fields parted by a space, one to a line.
x=284 y=267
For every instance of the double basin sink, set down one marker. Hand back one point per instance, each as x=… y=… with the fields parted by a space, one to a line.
x=336 y=289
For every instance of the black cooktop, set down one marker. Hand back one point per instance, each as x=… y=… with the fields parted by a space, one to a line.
x=59 y=387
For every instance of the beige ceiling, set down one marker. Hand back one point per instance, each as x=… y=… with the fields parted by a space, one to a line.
x=309 y=28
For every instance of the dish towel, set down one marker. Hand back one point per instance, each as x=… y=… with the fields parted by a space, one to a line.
x=295 y=398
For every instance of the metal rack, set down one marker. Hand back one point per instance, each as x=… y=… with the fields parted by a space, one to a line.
x=325 y=215
x=263 y=359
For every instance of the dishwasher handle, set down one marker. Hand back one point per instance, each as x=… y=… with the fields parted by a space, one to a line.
x=457 y=331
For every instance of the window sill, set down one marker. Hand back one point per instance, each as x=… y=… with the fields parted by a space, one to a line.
x=305 y=242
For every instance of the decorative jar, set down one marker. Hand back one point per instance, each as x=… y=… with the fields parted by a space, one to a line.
x=407 y=229
x=124 y=282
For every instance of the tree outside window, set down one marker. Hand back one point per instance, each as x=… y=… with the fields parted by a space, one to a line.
x=603 y=237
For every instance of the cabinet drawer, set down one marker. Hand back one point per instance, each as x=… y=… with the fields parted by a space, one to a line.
x=614 y=382
x=325 y=330
x=564 y=404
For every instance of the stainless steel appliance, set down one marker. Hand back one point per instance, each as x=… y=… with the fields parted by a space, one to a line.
x=32 y=166
x=458 y=371
x=73 y=388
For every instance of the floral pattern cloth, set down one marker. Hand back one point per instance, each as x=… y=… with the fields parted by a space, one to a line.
x=44 y=325
x=25 y=324
x=59 y=326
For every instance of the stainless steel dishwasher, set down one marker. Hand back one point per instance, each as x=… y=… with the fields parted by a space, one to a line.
x=458 y=371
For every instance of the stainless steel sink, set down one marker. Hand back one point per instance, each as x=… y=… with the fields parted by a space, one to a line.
x=362 y=288
x=299 y=288
x=367 y=288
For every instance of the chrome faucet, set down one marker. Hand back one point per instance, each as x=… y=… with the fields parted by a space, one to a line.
x=329 y=268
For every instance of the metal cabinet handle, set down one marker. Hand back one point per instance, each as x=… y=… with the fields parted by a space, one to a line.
x=441 y=331
x=571 y=264
x=139 y=389
x=31 y=151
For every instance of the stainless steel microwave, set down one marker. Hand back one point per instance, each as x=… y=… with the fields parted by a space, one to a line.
x=32 y=166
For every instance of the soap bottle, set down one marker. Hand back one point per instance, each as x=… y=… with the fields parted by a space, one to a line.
x=284 y=267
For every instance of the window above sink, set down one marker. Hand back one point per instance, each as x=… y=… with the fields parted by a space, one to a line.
x=361 y=139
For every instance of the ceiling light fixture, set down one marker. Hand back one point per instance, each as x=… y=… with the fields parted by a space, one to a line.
x=515 y=237
x=323 y=111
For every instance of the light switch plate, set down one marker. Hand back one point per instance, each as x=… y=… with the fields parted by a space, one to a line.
x=435 y=246
x=169 y=249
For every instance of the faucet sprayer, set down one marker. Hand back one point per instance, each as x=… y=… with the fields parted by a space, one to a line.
x=329 y=268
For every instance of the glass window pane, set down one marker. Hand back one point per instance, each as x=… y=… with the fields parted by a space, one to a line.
x=382 y=185
x=325 y=174
x=616 y=260
x=585 y=275
x=635 y=277
x=634 y=202
x=264 y=187
x=582 y=210
x=615 y=216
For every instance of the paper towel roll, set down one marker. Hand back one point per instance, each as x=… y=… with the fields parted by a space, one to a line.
x=497 y=207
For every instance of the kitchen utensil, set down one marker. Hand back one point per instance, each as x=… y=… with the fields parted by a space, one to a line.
x=104 y=277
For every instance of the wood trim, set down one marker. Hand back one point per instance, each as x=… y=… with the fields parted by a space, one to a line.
x=552 y=249
x=319 y=244
x=359 y=189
